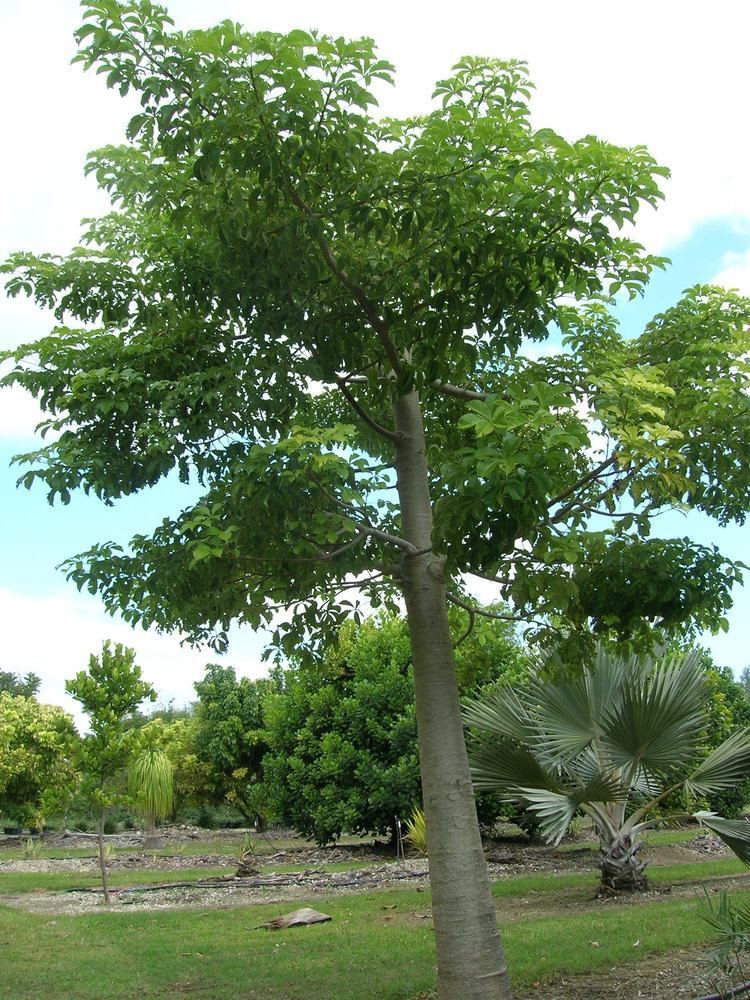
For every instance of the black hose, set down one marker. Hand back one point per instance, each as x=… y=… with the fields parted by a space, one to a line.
x=735 y=992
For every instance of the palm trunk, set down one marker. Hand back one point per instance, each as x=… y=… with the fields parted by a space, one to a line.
x=470 y=958
x=622 y=870
x=102 y=858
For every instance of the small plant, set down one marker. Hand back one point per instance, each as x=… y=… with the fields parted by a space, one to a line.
x=110 y=826
x=151 y=784
x=108 y=852
x=416 y=831
x=32 y=849
x=576 y=826
x=732 y=925
x=246 y=859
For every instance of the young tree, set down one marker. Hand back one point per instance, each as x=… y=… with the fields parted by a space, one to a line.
x=108 y=692
x=614 y=743
x=323 y=317
x=37 y=747
x=342 y=738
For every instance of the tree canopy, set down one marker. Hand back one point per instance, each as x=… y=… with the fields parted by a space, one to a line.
x=16 y=684
x=228 y=738
x=331 y=248
x=37 y=744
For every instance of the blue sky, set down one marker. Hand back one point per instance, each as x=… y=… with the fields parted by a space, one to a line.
x=53 y=114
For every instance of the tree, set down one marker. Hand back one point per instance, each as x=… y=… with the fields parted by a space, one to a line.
x=228 y=736
x=728 y=711
x=342 y=738
x=108 y=692
x=613 y=743
x=195 y=781
x=323 y=317
x=26 y=686
x=37 y=743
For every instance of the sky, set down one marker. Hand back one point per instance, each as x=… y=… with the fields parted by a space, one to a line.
x=669 y=75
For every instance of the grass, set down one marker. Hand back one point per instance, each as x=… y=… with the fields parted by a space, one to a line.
x=222 y=954
x=657 y=838
x=265 y=845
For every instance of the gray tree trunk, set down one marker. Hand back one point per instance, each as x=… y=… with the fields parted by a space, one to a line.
x=102 y=858
x=622 y=869
x=471 y=964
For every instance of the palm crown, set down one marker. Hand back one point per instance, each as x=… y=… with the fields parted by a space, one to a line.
x=612 y=743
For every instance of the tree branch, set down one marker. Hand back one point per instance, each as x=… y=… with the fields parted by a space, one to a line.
x=457 y=391
x=385 y=536
x=360 y=295
x=474 y=609
x=589 y=477
x=364 y=415
x=469 y=628
x=323 y=556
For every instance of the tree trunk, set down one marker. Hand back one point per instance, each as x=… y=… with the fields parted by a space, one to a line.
x=471 y=965
x=102 y=859
x=622 y=870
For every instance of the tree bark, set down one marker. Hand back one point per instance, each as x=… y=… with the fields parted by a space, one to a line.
x=470 y=959
x=622 y=869
x=102 y=859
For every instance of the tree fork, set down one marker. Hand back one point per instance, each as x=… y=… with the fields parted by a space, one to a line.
x=470 y=958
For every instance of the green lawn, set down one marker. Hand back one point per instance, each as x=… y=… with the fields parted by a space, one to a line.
x=378 y=947
x=657 y=838
x=221 y=954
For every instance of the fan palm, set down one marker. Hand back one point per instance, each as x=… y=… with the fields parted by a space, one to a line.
x=613 y=743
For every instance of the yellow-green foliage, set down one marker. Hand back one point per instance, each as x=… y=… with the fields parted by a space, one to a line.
x=151 y=784
x=416 y=831
x=35 y=758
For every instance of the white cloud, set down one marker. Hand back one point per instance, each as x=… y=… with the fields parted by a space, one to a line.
x=53 y=635
x=19 y=413
x=735 y=272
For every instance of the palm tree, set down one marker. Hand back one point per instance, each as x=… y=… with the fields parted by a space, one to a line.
x=613 y=743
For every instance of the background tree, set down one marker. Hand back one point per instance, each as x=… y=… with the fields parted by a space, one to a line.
x=37 y=746
x=323 y=317
x=196 y=783
x=614 y=744
x=27 y=685
x=342 y=738
x=108 y=692
x=228 y=738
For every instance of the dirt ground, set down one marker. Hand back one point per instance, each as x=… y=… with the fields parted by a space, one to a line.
x=678 y=974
